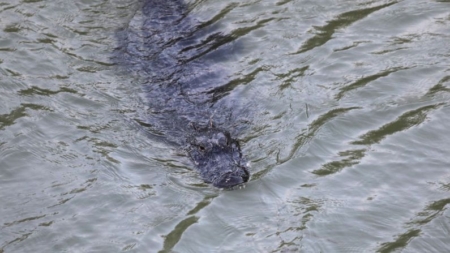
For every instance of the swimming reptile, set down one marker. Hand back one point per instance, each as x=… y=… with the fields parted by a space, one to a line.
x=186 y=90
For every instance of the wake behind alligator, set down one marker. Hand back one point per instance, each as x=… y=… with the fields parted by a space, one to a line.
x=186 y=88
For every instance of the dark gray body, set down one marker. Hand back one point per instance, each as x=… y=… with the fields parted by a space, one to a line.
x=186 y=87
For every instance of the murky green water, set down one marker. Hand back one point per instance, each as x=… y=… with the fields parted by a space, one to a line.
x=349 y=141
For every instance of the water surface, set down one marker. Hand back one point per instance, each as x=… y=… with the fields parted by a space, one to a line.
x=348 y=139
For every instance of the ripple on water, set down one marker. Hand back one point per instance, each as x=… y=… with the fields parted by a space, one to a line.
x=348 y=138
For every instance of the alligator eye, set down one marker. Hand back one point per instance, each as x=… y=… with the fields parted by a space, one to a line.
x=201 y=148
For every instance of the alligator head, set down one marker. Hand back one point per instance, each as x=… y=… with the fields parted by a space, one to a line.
x=218 y=157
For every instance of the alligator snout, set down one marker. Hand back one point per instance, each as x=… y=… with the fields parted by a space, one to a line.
x=232 y=179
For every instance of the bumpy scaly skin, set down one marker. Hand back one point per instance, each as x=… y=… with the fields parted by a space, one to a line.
x=186 y=85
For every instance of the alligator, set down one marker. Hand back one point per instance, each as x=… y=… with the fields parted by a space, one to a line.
x=186 y=88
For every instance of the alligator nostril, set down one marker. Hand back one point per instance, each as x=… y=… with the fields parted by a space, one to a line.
x=245 y=178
